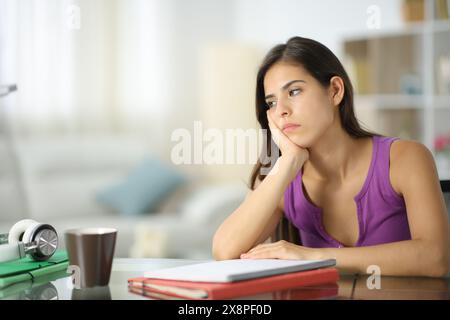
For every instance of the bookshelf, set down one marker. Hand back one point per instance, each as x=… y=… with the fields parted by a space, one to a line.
x=402 y=79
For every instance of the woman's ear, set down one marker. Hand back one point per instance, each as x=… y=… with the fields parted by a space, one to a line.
x=336 y=90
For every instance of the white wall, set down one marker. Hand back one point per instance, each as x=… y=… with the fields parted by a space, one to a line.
x=135 y=64
x=268 y=22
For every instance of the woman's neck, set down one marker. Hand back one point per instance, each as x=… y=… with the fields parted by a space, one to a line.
x=336 y=155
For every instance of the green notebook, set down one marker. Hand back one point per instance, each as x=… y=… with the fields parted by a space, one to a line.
x=30 y=289
x=27 y=269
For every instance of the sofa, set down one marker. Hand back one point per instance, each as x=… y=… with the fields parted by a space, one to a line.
x=60 y=178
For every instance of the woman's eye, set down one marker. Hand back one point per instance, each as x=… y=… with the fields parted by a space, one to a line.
x=271 y=104
x=294 y=92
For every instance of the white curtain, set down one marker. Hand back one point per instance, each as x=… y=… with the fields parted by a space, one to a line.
x=85 y=66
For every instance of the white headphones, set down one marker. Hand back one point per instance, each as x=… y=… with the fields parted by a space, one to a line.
x=39 y=240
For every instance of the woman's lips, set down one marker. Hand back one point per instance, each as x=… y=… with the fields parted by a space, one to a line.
x=290 y=127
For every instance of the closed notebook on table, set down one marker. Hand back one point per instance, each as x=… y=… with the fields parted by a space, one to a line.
x=24 y=269
x=234 y=278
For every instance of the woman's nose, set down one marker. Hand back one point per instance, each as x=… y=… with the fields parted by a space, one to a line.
x=283 y=108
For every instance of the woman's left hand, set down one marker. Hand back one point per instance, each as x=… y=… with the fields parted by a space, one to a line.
x=282 y=250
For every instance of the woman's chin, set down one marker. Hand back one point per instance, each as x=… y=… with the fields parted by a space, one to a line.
x=299 y=141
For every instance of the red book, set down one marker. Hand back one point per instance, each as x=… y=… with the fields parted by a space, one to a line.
x=162 y=288
x=323 y=291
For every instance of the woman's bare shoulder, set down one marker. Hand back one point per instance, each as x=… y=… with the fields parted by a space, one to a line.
x=407 y=156
x=408 y=150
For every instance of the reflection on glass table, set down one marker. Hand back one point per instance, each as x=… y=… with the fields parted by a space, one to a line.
x=60 y=286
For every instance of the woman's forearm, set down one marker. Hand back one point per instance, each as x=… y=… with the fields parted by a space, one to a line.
x=405 y=258
x=243 y=227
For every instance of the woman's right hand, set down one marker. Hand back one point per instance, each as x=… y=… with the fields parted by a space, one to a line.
x=290 y=152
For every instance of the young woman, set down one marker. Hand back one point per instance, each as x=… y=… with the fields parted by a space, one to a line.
x=358 y=197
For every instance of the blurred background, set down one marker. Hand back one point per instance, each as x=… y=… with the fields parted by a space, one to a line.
x=92 y=91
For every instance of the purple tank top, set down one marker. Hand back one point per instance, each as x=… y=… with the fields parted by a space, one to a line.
x=381 y=211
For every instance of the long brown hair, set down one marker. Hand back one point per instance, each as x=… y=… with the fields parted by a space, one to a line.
x=322 y=64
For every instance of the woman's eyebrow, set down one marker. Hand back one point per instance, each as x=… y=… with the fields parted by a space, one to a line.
x=284 y=87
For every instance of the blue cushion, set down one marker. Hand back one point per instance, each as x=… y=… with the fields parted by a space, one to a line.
x=143 y=189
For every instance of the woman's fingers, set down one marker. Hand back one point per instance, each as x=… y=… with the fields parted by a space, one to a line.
x=263 y=247
x=263 y=253
x=281 y=140
x=277 y=135
x=272 y=128
x=284 y=143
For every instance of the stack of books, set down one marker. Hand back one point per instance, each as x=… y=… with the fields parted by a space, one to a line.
x=238 y=278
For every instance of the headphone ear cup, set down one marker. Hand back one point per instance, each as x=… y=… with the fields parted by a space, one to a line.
x=30 y=232
x=17 y=231
x=45 y=249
